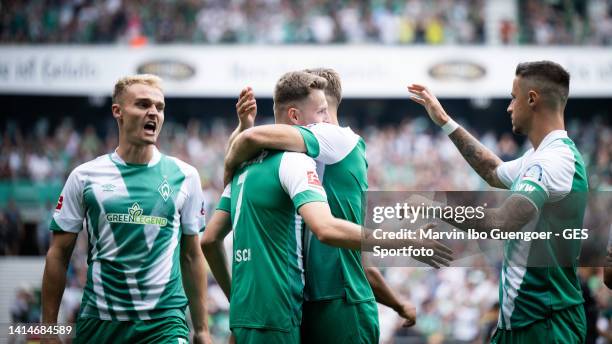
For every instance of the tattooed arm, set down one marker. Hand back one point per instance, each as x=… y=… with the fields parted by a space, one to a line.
x=482 y=159
x=511 y=216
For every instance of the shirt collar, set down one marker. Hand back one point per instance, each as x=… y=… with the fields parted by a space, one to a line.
x=154 y=159
x=552 y=136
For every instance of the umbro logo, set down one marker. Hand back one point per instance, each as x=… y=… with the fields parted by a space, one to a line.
x=108 y=187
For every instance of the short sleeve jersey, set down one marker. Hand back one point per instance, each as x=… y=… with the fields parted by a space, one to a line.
x=267 y=268
x=134 y=216
x=340 y=154
x=553 y=177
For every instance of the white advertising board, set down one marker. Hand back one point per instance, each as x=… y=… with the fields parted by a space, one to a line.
x=367 y=71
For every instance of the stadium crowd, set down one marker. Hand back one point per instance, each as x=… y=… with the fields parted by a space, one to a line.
x=286 y=22
x=566 y=22
x=252 y=21
x=457 y=304
x=401 y=157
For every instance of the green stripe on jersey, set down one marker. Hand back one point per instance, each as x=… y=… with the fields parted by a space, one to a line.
x=333 y=272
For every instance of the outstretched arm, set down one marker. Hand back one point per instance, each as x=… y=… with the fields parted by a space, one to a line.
x=212 y=246
x=482 y=159
x=340 y=233
x=514 y=213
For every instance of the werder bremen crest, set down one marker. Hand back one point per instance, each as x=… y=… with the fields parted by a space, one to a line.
x=165 y=190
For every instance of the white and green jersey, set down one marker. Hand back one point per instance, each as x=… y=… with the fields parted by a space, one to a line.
x=267 y=269
x=553 y=177
x=134 y=216
x=340 y=154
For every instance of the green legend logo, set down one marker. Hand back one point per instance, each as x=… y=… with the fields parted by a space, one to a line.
x=135 y=216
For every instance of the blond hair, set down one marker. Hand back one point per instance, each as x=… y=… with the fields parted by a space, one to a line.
x=125 y=82
x=294 y=87
x=334 y=85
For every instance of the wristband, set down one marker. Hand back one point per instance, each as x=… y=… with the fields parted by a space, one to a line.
x=449 y=126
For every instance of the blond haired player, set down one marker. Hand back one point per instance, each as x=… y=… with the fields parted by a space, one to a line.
x=142 y=211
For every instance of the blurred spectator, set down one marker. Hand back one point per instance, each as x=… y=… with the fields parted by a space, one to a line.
x=43 y=235
x=507 y=31
x=12 y=226
x=548 y=22
x=25 y=307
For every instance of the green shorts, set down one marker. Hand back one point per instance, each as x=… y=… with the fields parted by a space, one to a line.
x=247 y=335
x=337 y=321
x=564 y=326
x=163 y=330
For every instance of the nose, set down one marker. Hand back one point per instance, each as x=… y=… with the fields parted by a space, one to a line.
x=509 y=109
x=152 y=111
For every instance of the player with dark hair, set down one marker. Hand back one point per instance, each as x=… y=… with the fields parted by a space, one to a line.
x=549 y=185
x=143 y=212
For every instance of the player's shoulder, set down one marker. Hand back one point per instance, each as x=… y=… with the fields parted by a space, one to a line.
x=187 y=169
x=295 y=156
x=331 y=129
x=556 y=154
x=93 y=165
x=296 y=160
x=554 y=165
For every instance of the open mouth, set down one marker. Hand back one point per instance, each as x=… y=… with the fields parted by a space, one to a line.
x=150 y=127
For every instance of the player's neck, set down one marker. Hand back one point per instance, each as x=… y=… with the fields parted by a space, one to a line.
x=544 y=127
x=135 y=154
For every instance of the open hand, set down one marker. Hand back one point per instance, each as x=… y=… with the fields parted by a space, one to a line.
x=246 y=108
x=423 y=96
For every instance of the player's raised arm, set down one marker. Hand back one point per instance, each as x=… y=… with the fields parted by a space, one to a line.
x=246 y=109
x=482 y=159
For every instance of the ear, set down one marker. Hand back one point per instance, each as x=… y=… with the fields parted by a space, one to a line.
x=116 y=109
x=532 y=98
x=293 y=115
